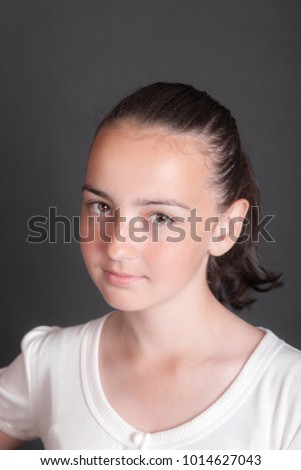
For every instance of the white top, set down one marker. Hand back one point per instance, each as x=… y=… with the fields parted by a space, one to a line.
x=53 y=391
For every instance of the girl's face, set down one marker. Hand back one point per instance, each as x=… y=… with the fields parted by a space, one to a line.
x=144 y=190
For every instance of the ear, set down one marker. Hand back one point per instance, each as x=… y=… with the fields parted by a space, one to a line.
x=228 y=228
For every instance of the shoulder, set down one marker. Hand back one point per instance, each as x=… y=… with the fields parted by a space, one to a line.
x=279 y=391
x=45 y=342
x=288 y=361
x=285 y=354
x=49 y=353
x=282 y=366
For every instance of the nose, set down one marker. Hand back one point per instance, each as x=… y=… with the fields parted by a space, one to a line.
x=120 y=244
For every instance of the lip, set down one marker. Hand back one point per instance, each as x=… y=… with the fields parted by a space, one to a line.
x=121 y=279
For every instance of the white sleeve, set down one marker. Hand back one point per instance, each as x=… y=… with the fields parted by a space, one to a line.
x=16 y=418
x=295 y=444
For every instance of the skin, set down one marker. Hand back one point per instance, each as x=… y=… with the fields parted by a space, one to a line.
x=7 y=442
x=168 y=332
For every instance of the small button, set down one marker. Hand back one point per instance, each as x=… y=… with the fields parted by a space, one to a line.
x=136 y=438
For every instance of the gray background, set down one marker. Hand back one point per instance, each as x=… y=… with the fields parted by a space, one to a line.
x=64 y=62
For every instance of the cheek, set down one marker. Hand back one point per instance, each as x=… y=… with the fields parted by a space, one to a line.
x=176 y=258
x=89 y=241
x=85 y=227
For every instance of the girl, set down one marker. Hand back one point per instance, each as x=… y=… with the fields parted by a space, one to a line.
x=167 y=238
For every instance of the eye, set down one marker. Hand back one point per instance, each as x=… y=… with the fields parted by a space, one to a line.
x=161 y=219
x=99 y=207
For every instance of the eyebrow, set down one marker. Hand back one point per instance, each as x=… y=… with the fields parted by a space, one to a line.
x=138 y=202
x=97 y=192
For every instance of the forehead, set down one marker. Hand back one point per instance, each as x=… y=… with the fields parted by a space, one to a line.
x=143 y=162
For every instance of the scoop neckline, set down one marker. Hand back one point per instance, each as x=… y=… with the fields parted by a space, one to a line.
x=202 y=424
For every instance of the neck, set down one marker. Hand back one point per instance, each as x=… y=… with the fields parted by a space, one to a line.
x=175 y=330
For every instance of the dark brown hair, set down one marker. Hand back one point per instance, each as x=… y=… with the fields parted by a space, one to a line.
x=181 y=108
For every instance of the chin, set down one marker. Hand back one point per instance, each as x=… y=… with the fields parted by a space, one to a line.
x=126 y=298
x=125 y=301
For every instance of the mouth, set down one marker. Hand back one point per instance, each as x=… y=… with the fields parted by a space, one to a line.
x=121 y=279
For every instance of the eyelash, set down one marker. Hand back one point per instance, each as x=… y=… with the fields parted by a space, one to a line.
x=99 y=211
x=168 y=220
x=153 y=217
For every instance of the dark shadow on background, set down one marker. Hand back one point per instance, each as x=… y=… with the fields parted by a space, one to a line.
x=32 y=445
